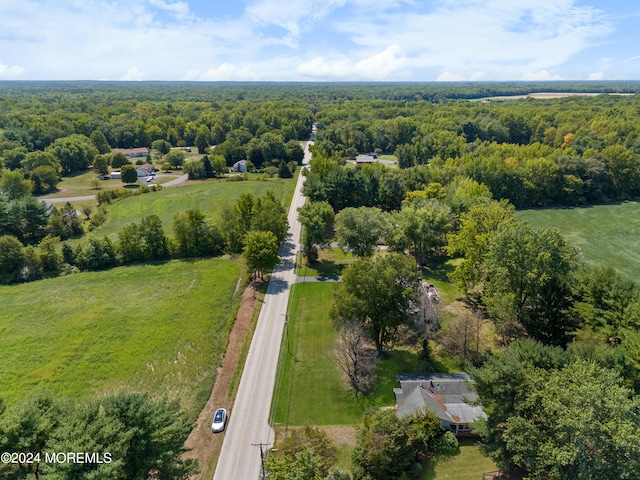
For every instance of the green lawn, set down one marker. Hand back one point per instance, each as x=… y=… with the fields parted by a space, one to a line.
x=608 y=235
x=467 y=464
x=207 y=196
x=330 y=263
x=155 y=328
x=310 y=389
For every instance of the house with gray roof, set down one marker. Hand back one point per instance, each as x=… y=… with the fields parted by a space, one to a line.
x=448 y=395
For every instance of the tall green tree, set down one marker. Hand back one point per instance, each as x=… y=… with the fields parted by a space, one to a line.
x=317 y=222
x=477 y=226
x=203 y=139
x=195 y=236
x=579 y=422
x=11 y=259
x=40 y=159
x=74 y=152
x=377 y=292
x=99 y=141
x=420 y=229
x=27 y=218
x=268 y=214
x=44 y=179
x=129 y=174
x=527 y=274
x=260 y=252
x=499 y=383
x=360 y=229
x=14 y=185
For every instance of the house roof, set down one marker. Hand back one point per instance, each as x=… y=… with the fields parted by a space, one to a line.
x=141 y=151
x=147 y=167
x=447 y=395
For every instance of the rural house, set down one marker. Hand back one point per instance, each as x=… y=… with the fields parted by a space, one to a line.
x=446 y=394
x=145 y=170
x=133 y=152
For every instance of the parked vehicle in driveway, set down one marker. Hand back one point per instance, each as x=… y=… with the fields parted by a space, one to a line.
x=219 y=420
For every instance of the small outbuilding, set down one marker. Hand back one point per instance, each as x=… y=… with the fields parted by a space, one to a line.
x=364 y=159
x=448 y=395
x=240 y=166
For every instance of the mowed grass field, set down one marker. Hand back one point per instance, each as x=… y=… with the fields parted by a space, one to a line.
x=159 y=328
x=310 y=389
x=607 y=235
x=207 y=196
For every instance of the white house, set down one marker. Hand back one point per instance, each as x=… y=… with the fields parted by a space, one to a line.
x=144 y=170
x=133 y=152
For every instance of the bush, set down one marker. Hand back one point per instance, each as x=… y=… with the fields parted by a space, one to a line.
x=447 y=444
x=195 y=170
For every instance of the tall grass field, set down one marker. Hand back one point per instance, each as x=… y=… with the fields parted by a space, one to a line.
x=158 y=328
x=607 y=235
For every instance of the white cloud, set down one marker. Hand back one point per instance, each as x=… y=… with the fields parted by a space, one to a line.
x=450 y=77
x=225 y=71
x=12 y=72
x=133 y=73
x=596 y=76
x=498 y=37
x=540 y=75
x=295 y=16
x=322 y=68
x=377 y=66
x=180 y=9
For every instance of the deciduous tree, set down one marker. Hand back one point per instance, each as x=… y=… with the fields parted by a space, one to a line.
x=260 y=252
x=360 y=229
x=377 y=292
x=317 y=221
x=129 y=174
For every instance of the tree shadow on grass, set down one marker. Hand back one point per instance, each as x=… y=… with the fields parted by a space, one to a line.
x=438 y=268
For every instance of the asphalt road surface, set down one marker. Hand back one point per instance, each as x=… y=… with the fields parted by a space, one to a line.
x=249 y=418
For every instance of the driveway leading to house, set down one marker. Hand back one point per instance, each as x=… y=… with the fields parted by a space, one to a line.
x=178 y=181
x=248 y=430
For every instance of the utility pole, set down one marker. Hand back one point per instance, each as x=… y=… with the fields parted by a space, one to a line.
x=263 y=474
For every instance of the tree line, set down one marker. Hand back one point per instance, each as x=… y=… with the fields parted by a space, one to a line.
x=254 y=227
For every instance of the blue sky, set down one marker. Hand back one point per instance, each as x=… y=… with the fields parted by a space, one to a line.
x=320 y=40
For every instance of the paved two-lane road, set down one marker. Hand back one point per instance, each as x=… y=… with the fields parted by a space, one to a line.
x=249 y=418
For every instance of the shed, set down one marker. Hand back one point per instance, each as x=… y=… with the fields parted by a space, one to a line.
x=240 y=166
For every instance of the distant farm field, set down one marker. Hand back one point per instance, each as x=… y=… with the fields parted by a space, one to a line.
x=607 y=235
x=160 y=329
x=207 y=196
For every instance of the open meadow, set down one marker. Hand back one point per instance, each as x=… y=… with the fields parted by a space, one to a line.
x=607 y=235
x=207 y=196
x=156 y=328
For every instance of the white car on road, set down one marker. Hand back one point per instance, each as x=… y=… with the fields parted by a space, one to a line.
x=219 y=420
